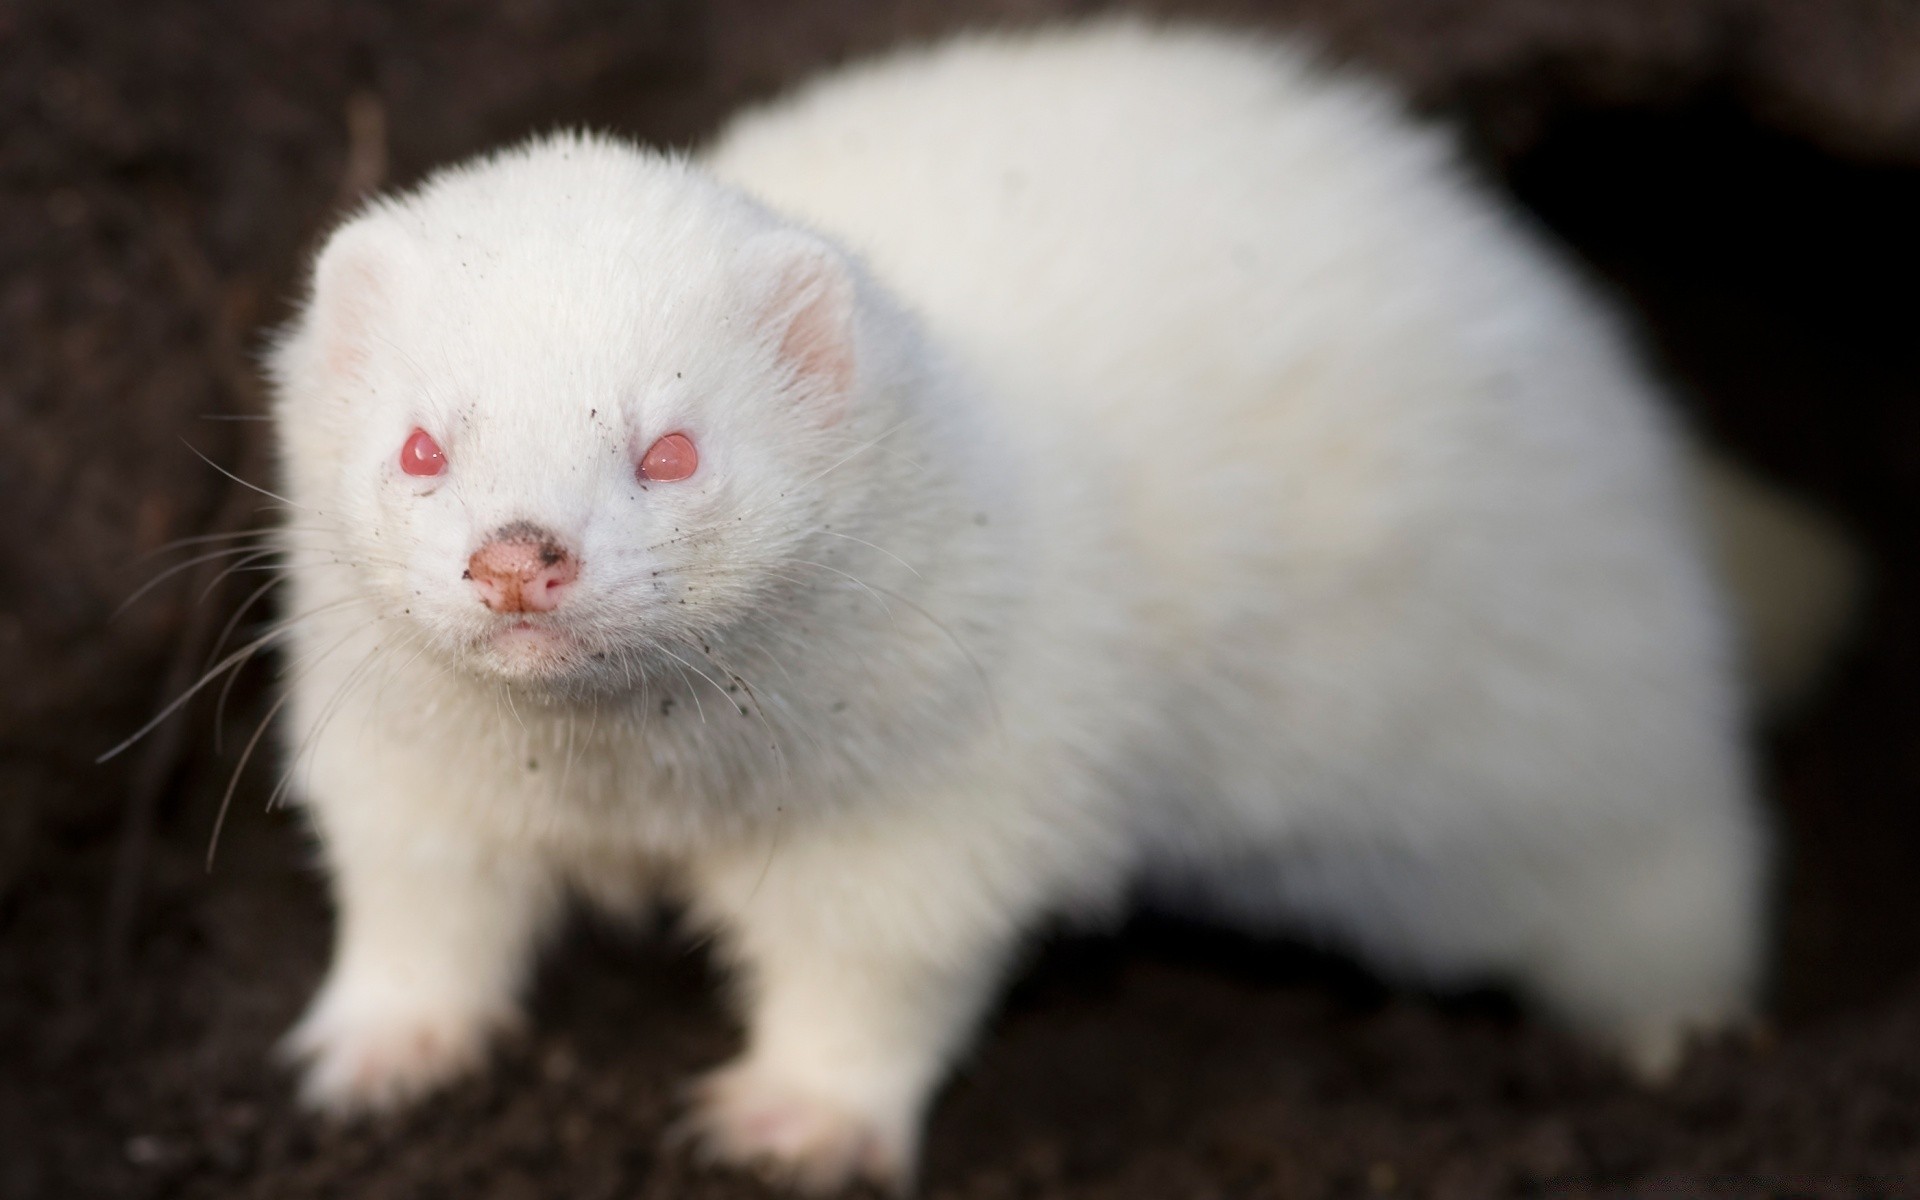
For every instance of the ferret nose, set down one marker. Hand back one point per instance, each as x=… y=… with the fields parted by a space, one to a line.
x=522 y=570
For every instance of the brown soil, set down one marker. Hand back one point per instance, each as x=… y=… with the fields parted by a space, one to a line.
x=163 y=165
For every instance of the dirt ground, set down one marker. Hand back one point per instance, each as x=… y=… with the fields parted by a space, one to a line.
x=1747 y=184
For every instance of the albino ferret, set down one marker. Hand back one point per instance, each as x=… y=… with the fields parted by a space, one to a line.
x=996 y=481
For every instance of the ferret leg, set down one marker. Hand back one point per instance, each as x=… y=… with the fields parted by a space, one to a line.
x=434 y=939
x=867 y=957
x=1656 y=947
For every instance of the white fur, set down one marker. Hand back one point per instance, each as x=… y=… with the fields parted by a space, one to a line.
x=1229 y=498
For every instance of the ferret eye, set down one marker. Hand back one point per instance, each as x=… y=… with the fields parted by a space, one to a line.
x=670 y=459
x=421 y=455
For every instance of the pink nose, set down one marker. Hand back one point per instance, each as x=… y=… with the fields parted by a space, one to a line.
x=522 y=573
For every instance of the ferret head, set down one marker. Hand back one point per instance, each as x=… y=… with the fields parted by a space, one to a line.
x=574 y=408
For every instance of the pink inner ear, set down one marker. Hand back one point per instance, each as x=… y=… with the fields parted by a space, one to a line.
x=355 y=286
x=670 y=459
x=818 y=342
x=352 y=287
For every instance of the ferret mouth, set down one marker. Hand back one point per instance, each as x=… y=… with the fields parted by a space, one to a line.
x=529 y=647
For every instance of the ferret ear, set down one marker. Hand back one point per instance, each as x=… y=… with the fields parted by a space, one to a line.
x=356 y=281
x=803 y=296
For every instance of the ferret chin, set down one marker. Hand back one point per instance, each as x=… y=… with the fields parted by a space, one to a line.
x=999 y=479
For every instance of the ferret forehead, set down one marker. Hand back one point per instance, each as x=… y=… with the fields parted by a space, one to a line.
x=570 y=263
x=578 y=196
x=584 y=331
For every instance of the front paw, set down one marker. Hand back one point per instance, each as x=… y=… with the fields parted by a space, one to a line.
x=746 y=1115
x=371 y=1056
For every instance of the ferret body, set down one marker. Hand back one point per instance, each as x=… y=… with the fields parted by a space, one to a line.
x=1121 y=458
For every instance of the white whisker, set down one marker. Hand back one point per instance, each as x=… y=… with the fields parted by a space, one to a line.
x=240 y=655
x=869 y=545
x=243 y=483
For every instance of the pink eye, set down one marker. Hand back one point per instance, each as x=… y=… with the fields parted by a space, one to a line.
x=670 y=459
x=422 y=455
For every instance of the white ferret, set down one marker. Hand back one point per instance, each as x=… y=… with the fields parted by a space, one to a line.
x=995 y=480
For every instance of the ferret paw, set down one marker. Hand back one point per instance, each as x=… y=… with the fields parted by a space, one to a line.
x=1654 y=1052
x=746 y=1116
x=364 y=1060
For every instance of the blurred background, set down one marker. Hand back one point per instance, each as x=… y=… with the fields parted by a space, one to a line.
x=1745 y=174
